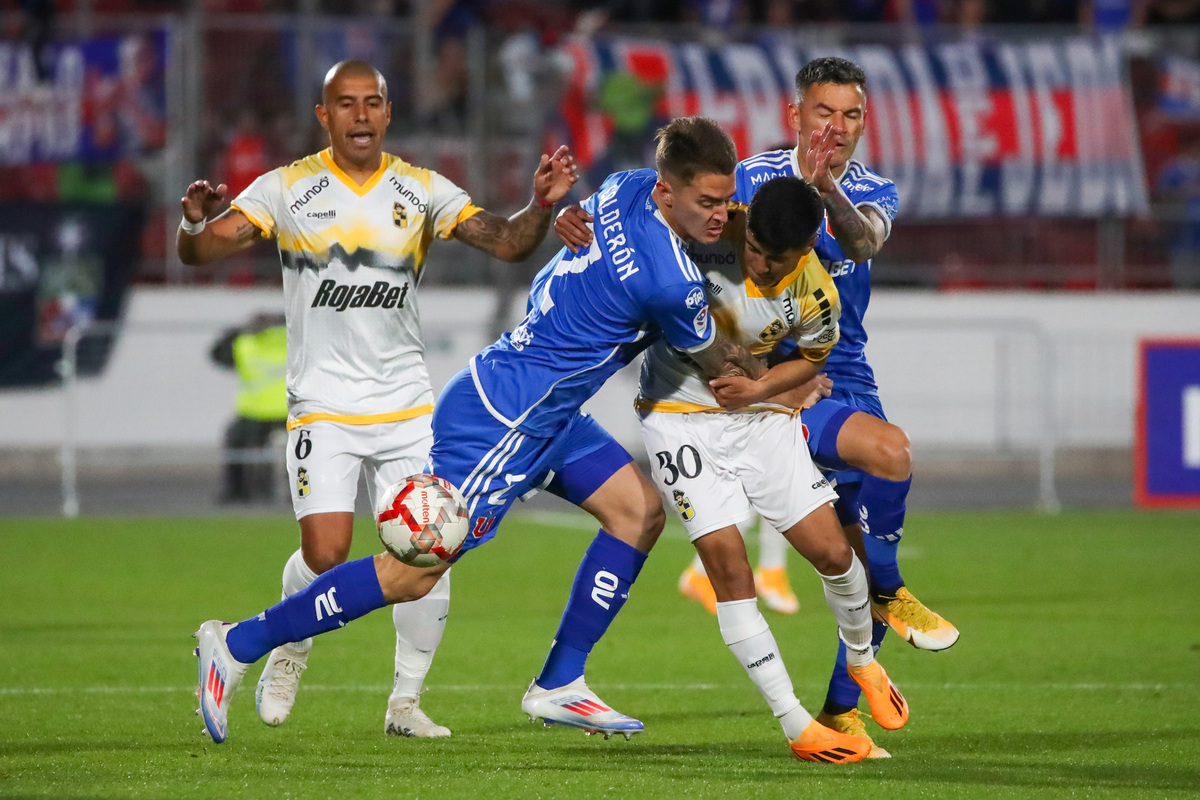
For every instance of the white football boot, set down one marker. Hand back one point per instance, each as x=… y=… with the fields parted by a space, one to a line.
x=220 y=674
x=405 y=718
x=276 y=691
x=577 y=706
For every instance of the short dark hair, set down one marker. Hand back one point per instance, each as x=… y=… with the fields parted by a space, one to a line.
x=830 y=69
x=784 y=214
x=691 y=146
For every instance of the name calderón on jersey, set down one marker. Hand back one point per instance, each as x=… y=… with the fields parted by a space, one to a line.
x=346 y=247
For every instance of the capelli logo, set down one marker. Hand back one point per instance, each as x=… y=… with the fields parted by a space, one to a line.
x=765 y=659
x=330 y=214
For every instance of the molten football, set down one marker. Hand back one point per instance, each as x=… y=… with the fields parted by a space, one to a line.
x=422 y=520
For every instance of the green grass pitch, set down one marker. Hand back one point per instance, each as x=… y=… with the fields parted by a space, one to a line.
x=1077 y=675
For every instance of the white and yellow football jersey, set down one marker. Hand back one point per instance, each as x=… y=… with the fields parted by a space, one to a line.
x=352 y=257
x=803 y=305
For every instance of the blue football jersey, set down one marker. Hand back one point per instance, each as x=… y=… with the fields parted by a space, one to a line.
x=591 y=313
x=847 y=363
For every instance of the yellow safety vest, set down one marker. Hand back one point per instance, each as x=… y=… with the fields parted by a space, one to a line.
x=261 y=362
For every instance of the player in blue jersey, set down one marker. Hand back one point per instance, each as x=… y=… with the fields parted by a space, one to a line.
x=511 y=424
x=867 y=458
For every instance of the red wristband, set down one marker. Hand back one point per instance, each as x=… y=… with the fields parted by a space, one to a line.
x=538 y=199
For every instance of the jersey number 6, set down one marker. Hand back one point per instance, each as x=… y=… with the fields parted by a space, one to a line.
x=303 y=445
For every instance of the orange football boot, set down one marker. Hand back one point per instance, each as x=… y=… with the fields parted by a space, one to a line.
x=913 y=621
x=695 y=586
x=775 y=590
x=851 y=723
x=828 y=746
x=888 y=707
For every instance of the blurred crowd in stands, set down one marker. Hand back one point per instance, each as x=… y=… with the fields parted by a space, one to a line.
x=452 y=15
x=249 y=126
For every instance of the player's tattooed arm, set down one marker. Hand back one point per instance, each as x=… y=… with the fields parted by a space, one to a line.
x=724 y=358
x=511 y=239
x=220 y=237
x=860 y=231
x=515 y=238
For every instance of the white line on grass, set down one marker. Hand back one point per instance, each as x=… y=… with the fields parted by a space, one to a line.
x=17 y=691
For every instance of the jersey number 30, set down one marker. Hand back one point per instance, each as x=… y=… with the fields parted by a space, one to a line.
x=686 y=462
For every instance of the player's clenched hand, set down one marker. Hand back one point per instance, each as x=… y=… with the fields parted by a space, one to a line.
x=821 y=146
x=202 y=200
x=571 y=226
x=555 y=175
x=736 y=391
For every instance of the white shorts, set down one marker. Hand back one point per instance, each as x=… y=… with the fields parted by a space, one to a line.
x=324 y=460
x=713 y=468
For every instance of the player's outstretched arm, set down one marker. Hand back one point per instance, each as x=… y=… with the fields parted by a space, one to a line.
x=200 y=240
x=515 y=238
x=861 y=232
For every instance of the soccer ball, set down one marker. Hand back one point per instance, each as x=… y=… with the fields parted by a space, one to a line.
x=422 y=520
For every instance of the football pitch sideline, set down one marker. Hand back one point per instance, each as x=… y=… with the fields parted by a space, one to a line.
x=1077 y=675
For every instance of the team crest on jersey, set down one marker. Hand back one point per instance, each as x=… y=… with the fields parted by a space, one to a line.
x=520 y=337
x=302 y=482
x=700 y=322
x=399 y=215
x=772 y=331
x=683 y=505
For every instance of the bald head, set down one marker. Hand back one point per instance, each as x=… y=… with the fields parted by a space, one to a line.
x=344 y=70
x=355 y=112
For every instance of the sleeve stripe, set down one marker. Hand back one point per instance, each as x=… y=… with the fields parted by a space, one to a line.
x=264 y=230
x=708 y=340
x=887 y=220
x=469 y=210
x=773 y=158
x=858 y=172
x=690 y=271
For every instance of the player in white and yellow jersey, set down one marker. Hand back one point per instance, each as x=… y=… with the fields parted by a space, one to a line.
x=722 y=448
x=353 y=225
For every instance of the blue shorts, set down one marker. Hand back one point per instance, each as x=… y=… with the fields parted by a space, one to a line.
x=494 y=465
x=823 y=422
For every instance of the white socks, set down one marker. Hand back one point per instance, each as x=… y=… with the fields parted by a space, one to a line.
x=749 y=638
x=296 y=576
x=419 y=628
x=847 y=598
x=772 y=547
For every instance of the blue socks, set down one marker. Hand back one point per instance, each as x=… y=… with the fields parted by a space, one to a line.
x=881 y=507
x=344 y=593
x=843 y=691
x=600 y=589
